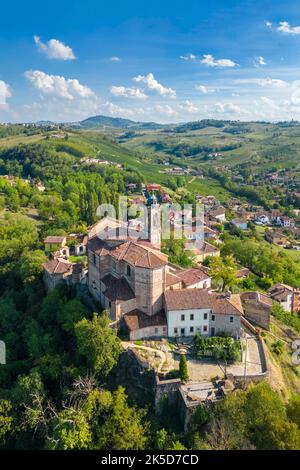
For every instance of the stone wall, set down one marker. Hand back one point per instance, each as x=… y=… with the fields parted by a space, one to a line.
x=166 y=388
x=149 y=332
x=257 y=313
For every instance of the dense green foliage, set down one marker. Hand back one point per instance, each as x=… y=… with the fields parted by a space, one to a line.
x=271 y=266
x=218 y=347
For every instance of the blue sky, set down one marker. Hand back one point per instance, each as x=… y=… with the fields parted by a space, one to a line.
x=168 y=61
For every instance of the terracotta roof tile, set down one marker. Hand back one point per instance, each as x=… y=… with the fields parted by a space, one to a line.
x=58 y=266
x=54 y=239
x=136 y=320
x=192 y=276
x=221 y=304
x=186 y=299
x=134 y=253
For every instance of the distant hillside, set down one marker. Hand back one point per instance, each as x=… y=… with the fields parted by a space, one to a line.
x=106 y=121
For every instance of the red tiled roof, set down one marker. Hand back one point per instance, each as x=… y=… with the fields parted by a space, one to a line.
x=172 y=279
x=191 y=276
x=134 y=253
x=54 y=239
x=58 y=266
x=136 y=320
x=219 y=211
x=242 y=273
x=257 y=297
x=186 y=299
x=221 y=304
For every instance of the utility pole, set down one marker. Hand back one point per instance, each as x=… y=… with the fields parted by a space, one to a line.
x=245 y=369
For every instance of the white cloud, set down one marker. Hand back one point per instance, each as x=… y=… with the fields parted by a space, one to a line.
x=154 y=85
x=118 y=111
x=55 y=49
x=269 y=102
x=5 y=92
x=264 y=82
x=57 y=85
x=224 y=108
x=210 y=61
x=189 y=107
x=271 y=82
x=259 y=61
x=115 y=59
x=128 y=92
x=188 y=57
x=205 y=89
x=285 y=27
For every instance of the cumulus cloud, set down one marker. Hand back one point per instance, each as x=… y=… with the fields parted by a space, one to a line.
x=5 y=92
x=188 y=57
x=59 y=86
x=154 y=85
x=210 y=61
x=205 y=89
x=224 y=108
x=189 y=107
x=54 y=49
x=115 y=58
x=259 y=61
x=284 y=27
x=128 y=92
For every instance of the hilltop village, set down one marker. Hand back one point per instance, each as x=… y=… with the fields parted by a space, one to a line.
x=157 y=303
x=172 y=322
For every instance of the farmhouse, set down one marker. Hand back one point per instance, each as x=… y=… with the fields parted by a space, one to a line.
x=287 y=296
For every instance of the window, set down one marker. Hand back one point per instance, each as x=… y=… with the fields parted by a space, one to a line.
x=176 y=331
x=182 y=331
x=109 y=304
x=156 y=330
x=231 y=319
x=81 y=249
x=191 y=329
x=205 y=329
x=94 y=259
x=182 y=317
x=205 y=316
x=192 y=316
x=213 y=318
x=128 y=270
